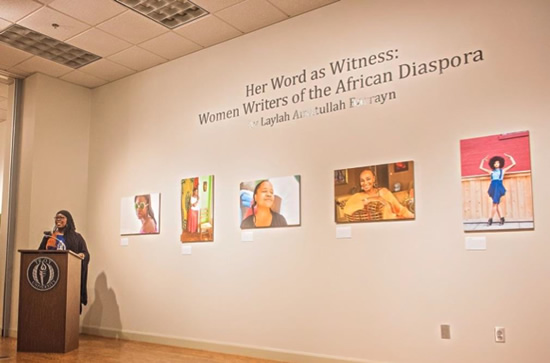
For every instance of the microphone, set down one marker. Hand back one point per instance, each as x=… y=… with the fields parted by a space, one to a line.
x=60 y=244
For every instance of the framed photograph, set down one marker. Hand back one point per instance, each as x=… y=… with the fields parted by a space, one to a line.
x=140 y=214
x=496 y=183
x=376 y=193
x=340 y=177
x=273 y=202
x=197 y=209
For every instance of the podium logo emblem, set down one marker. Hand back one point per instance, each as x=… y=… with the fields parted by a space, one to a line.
x=43 y=273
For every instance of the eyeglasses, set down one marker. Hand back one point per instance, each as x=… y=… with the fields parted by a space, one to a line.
x=60 y=218
x=141 y=205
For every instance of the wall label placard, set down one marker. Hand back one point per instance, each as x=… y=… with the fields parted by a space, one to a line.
x=310 y=85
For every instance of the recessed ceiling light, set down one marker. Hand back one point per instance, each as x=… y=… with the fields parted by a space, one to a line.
x=170 y=13
x=43 y=46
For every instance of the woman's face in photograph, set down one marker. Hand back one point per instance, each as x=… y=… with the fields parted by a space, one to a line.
x=496 y=164
x=142 y=208
x=264 y=195
x=366 y=179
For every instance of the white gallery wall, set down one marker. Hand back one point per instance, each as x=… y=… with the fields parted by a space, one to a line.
x=299 y=293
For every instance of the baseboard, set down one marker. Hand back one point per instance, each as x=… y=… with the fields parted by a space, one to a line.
x=236 y=349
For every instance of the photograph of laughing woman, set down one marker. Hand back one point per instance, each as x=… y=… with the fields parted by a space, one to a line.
x=373 y=202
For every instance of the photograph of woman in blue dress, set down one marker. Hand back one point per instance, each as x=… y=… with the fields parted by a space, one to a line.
x=496 y=189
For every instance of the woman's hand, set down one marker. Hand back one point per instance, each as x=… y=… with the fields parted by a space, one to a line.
x=81 y=255
x=483 y=162
x=512 y=160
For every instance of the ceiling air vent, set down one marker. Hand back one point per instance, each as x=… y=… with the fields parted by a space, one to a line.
x=44 y=46
x=170 y=13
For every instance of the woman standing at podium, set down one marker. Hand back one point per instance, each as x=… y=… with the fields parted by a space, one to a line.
x=65 y=237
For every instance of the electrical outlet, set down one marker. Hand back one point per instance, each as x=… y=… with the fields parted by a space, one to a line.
x=445 y=331
x=500 y=334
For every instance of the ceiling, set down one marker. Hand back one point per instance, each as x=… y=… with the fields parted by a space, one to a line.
x=127 y=41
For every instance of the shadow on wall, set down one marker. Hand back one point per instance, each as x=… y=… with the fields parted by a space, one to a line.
x=103 y=316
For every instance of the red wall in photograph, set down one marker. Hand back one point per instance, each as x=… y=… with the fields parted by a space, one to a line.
x=515 y=144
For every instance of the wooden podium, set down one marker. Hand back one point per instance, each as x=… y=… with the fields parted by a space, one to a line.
x=49 y=301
